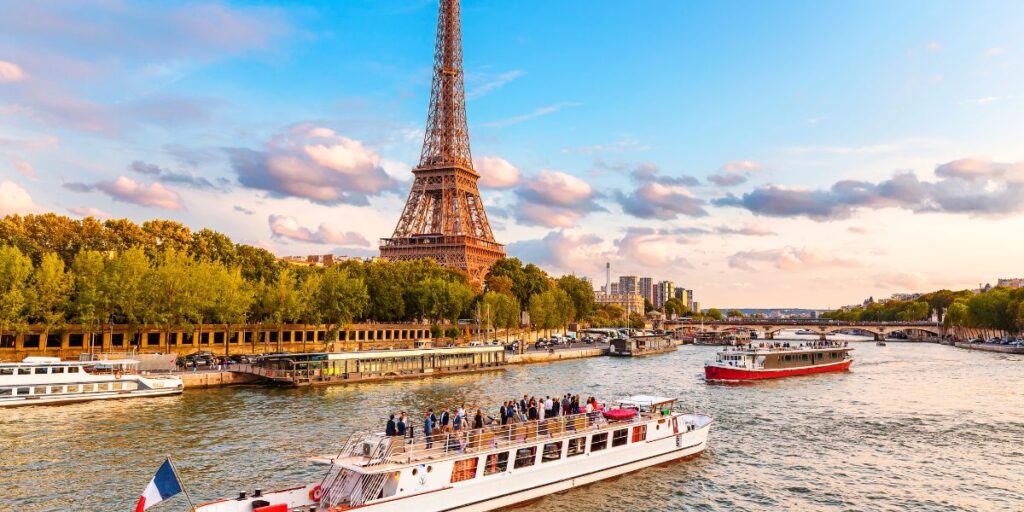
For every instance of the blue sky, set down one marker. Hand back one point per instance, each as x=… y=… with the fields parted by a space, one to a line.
x=761 y=153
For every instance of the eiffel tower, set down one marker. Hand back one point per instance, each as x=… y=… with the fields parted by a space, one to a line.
x=444 y=217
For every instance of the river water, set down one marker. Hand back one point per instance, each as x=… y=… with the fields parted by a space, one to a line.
x=911 y=427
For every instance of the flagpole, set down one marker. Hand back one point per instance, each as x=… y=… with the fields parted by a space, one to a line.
x=181 y=483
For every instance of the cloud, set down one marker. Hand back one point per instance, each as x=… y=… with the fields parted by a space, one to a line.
x=169 y=176
x=535 y=113
x=910 y=281
x=490 y=83
x=313 y=163
x=127 y=190
x=287 y=227
x=555 y=199
x=15 y=200
x=787 y=259
x=747 y=230
x=23 y=167
x=734 y=173
x=562 y=251
x=660 y=197
x=497 y=173
x=968 y=186
x=242 y=209
x=10 y=72
x=88 y=211
x=650 y=248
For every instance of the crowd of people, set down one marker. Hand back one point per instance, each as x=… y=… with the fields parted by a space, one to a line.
x=511 y=411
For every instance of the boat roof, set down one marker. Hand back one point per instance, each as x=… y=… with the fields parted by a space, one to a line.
x=51 y=361
x=638 y=400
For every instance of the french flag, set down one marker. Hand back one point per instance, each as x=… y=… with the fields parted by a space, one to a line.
x=164 y=485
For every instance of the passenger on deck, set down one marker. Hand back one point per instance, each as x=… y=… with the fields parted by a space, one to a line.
x=503 y=412
x=457 y=422
x=478 y=420
x=390 y=429
x=401 y=425
x=445 y=420
x=428 y=428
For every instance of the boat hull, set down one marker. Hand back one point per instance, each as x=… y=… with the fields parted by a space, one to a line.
x=730 y=374
x=87 y=397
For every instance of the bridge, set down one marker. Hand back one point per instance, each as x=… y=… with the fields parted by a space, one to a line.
x=770 y=327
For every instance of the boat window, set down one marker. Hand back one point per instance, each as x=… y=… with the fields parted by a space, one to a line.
x=56 y=389
x=639 y=433
x=464 y=469
x=804 y=357
x=72 y=369
x=6 y=391
x=23 y=391
x=24 y=371
x=552 y=452
x=620 y=437
x=57 y=369
x=115 y=385
x=39 y=390
x=576 y=446
x=599 y=442
x=525 y=457
x=101 y=386
x=72 y=389
x=496 y=463
x=6 y=371
x=787 y=358
x=39 y=371
x=87 y=388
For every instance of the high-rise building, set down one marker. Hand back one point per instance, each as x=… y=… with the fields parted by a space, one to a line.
x=663 y=291
x=684 y=296
x=646 y=290
x=628 y=284
x=614 y=288
x=1015 y=282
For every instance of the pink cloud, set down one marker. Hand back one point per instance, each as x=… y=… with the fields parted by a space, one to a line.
x=555 y=199
x=128 y=190
x=16 y=200
x=288 y=227
x=497 y=173
x=23 y=167
x=11 y=72
x=88 y=211
x=788 y=259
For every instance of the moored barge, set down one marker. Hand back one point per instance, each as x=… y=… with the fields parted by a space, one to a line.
x=775 y=361
x=48 y=380
x=641 y=346
x=493 y=467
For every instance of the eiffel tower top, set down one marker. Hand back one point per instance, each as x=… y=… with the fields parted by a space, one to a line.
x=446 y=140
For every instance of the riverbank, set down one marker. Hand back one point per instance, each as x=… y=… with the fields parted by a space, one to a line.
x=990 y=347
x=557 y=355
x=215 y=379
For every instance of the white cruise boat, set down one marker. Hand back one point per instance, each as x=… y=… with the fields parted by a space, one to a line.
x=48 y=380
x=490 y=468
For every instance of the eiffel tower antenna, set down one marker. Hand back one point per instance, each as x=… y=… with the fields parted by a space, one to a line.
x=444 y=217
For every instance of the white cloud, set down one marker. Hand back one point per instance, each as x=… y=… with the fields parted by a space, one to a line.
x=128 y=190
x=788 y=259
x=535 y=113
x=14 y=199
x=288 y=227
x=23 y=167
x=555 y=199
x=490 y=83
x=497 y=172
x=10 y=72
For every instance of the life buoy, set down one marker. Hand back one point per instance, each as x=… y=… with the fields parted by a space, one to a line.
x=118 y=374
x=316 y=493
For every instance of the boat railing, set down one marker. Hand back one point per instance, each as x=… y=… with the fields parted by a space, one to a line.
x=376 y=449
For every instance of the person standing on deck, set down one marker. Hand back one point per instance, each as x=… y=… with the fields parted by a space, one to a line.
x=428 y=428
x=445 y=419
x=503 y=412
x=401 y=425
x=478 y=420
x=391 y=428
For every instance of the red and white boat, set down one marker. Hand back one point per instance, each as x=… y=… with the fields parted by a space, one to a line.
x=775 y=361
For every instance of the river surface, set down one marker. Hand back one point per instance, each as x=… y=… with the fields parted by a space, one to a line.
x=911 y=427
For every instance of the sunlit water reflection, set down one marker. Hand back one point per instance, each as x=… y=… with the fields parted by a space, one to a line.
x=911 y=427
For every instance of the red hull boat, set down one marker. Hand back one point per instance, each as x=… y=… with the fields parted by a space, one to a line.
x=773 y=362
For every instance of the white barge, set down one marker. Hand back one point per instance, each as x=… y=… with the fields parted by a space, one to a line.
x=493 y=467
x=48 y=380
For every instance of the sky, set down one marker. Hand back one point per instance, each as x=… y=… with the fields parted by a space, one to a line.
x=763 y=154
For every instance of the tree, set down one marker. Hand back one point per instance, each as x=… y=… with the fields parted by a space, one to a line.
x=50 y=293
x=207 y=244
x=340 y=299
x=713 y=314
x=183 y=290
x=956 y=314
x=385 y=283
x=125 y=287
x=90 y=306
x=550 y=309
x=734 y=313
x=501 y=310
x=15 y=270
x=581 y=293
x=281 y=301
x=675 y=307
x=500 y=284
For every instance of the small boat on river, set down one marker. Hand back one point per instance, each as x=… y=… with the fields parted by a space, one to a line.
x=48 y=380
x=493 y=467
x=642 y=345
x=775 y=361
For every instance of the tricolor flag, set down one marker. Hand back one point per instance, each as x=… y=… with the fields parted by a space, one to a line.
x=164 y=485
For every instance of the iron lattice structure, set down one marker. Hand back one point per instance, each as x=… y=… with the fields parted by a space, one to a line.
x=444 y=217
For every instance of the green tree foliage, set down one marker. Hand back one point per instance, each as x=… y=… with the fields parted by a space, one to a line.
x=50 y=293
x=500 y=310
x=608 y=315
x=341 y=298
x=581 y=293
x=91 y=306
x=527 y=281
x=675 y=307
x=15 y=270
x=713 y=314
x=890 y=311
x=551 y=309
x=734 y=313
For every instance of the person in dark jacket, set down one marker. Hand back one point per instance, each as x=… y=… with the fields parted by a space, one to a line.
x=401 y=425
x=390 y=429
x=478 y=420
x=503 y=412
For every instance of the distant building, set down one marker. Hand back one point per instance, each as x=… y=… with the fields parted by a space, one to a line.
x=646 y=291
x=684 y=296
x=615 y=289
x=905 y=296
x=631 y=302
x=695 y=307
x=663 y=291
x=1015 y=282
x=628 y=284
